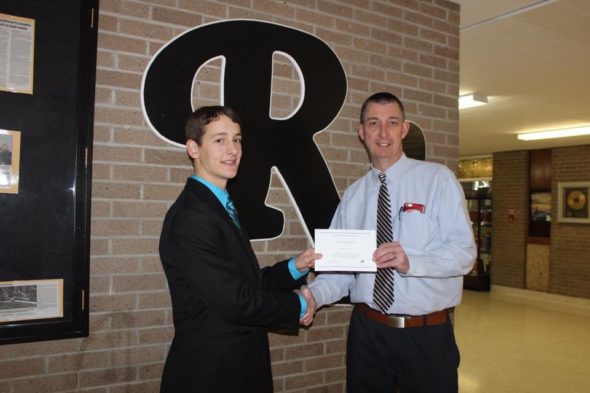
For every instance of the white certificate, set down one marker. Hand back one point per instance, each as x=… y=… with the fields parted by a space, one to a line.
x=345 y=250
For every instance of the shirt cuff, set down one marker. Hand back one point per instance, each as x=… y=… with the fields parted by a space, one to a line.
x=303 y=305
x=296 y=274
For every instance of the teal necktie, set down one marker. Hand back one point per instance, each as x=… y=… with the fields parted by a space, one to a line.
x=233 y=212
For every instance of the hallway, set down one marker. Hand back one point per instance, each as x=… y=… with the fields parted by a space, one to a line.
x=508 y=347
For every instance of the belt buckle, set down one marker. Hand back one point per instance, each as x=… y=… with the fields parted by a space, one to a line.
x=396 y=322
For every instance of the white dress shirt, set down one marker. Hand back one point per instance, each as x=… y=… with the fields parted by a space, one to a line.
x=438 y=242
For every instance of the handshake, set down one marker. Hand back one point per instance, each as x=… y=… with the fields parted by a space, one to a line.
x=307 y=318
x=304 y=262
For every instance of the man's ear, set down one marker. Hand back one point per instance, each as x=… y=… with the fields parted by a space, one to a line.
x=361 y=132
x=406 y=128
x=192 y=149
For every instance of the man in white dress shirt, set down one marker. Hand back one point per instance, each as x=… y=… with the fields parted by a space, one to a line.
x=407 y=345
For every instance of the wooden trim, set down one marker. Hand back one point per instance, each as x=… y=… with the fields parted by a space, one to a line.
x=538 y=240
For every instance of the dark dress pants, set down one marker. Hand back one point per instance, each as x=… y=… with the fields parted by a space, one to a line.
x=381 y=359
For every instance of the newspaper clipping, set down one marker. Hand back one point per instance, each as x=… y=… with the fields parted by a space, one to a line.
x=17 y=43
x=31 y=299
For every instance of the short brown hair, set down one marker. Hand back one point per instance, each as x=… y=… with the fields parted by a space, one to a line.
x=381 y=98
x=196 y=122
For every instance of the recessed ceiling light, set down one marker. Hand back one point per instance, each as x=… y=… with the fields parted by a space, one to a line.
x=471 y=100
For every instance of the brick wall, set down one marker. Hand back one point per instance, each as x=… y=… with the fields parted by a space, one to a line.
x=569 y=269
x=569 y=260
x=409 y=47
x=510 y=191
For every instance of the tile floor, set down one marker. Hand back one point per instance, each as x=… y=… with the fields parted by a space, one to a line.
x=508 y=347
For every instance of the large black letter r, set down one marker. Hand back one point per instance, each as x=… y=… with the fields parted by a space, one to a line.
x=248 y=47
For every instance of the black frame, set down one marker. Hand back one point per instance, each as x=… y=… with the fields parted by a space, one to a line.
x=45 y=230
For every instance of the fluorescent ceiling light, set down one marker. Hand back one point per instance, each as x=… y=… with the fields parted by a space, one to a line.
x=548 y=134
x=526 y=8
x=471 y=100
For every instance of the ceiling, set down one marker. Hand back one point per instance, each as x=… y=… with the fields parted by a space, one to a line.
x=532 y=60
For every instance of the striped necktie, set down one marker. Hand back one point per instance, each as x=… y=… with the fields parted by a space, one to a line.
x=383 y=290
x=233 y=212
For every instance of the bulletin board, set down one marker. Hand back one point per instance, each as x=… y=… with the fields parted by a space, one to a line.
x=47 y=78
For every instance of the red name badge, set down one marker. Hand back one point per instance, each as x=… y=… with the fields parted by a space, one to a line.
x=409 y=206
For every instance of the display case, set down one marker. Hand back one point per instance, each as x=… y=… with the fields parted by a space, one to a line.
x=479 y=205
x=45 y=184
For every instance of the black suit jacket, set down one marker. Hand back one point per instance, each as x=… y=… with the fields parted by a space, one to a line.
x=222 y=301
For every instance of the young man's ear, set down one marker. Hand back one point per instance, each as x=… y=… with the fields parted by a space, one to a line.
x=192 y=149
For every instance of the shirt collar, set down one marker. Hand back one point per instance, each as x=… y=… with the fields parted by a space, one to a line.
x=393 y=171
x=221 y=194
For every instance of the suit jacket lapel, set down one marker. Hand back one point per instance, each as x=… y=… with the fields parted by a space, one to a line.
x=204 y=195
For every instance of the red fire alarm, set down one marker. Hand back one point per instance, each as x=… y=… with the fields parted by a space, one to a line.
x=511 y=215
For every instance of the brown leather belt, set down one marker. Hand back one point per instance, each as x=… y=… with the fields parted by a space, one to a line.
x=399 y=321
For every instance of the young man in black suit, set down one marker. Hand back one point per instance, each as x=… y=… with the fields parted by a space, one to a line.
x=222 y=301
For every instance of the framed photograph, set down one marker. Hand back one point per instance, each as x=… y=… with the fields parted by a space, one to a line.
x=9 y=161
x=540 y=206
x=572 y=202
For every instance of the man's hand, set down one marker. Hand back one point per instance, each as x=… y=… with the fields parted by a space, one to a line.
x=391 y=255
x=311 y=306
x=306 y=260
